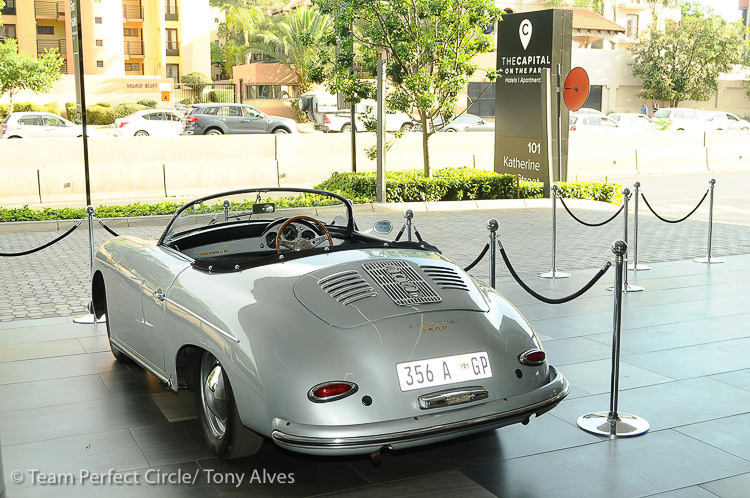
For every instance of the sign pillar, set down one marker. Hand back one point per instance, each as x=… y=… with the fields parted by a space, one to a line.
x=528 y=43
x=75 y=25
x=381 y=146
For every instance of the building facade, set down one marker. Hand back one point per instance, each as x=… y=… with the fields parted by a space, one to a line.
x=121 y=38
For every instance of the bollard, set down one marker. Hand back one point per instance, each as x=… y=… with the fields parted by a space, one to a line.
x=226 y=205
x=635 y=266
x=554 y=273
x=492 y=226
x=708 y=259
x=90 y=317
x=626 y=287
x=408 y=214
x=613 y=424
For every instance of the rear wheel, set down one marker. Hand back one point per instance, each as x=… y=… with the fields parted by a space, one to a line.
x=347 y=128
x=140 y=133
x=217 y=412
x=451 y=130
x=280 y=131
x=407 y=127
x=214 y=131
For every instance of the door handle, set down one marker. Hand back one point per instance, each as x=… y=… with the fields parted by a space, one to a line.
x=159 y=295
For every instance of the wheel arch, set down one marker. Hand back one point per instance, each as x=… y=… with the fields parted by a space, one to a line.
x=98 y=294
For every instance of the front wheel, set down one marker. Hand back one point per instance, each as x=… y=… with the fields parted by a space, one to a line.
x=347 y=128
x=280 y=131
x=407 y=127
x=214 y=131
x=217 y=412
x=140 y=133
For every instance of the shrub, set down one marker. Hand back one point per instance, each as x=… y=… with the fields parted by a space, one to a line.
x=71 y=111
x=221 y=96
x=122 y=110
x=26 y=107
x=98 y=115
x=187 y=101
x=52 y=107
x=148 y=103
x=4 y=111
x=103 y=104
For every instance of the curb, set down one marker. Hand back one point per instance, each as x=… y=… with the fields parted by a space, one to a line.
x=372 y=208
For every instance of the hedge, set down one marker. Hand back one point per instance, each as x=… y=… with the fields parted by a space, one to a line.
x=221 y=96
x=19 y=107
x=71 y=111
x=98 y=115
x=456 y=184
x=122 y=110
x=52 y=107
x=147 y=103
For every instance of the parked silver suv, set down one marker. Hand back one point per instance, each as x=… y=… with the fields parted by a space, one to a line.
x=226 y=119
x=39 y=125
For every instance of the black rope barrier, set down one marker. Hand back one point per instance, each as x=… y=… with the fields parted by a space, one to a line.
x=681 y=219
x=400 y=233
x=479 y=258
x=45 y=246
x=112 y=232
x=546 y=299
x=591 y=224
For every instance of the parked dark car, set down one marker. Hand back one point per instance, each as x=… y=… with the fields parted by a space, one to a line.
x=228 y=119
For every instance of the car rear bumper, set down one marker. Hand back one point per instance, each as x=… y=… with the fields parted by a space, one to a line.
x=441 y=426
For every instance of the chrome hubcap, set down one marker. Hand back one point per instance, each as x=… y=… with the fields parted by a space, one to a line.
x=213 y=396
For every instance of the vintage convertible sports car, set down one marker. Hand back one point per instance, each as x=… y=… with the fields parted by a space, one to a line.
x=288 y=322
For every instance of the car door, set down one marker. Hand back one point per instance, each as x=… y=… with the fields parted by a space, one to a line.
x=172 y=125
x=30 y=126
x=153 y=122
x=55 y=127
x=253 y=121
x=231 y=116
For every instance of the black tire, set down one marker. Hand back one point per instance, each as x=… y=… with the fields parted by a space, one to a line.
x=119 y=355
x=280 y=131
x=304 y=103
x=450 y=130
x=407 y=127
x=347 y=128
x=745 y=128
x=213 y=131
x=140 y=133
x=226 y=437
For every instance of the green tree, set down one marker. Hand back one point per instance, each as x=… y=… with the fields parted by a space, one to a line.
x=685 y=60
x=24 y=72
x=244 y=18
x=196 y=81
x=657 y=6
x=430 y=46
x=295 y=39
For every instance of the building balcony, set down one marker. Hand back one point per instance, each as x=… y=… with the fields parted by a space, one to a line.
x=60 y=45
x=134 y=50
x=173 y=48
x=49 y=10
x=9 y=9
x=132 y=13
x=171 y=13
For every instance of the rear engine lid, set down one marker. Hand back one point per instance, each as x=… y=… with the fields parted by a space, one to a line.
x=361 y=292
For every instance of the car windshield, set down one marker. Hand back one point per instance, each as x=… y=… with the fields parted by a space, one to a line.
x=258 y=204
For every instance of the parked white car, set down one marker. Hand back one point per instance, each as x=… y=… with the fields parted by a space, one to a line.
x=592 y=123
x=41 y=125
x=681 y=119
x=150 y=122
x=721 y=120
x=588 y=111
x=632 y=120
x=342 y=122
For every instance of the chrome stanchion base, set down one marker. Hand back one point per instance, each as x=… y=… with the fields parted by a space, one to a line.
x=708 y=261
x=622 y=425
x=555 y=274
x=627 y=288
x=89 y=319
x=638 y=267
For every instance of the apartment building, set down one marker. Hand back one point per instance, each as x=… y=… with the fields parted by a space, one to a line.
x=121 y=38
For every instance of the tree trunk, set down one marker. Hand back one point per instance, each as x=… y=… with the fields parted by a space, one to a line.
x=11 y=102
x=425 y=148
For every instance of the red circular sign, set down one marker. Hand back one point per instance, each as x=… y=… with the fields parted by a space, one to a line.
x=576 y=88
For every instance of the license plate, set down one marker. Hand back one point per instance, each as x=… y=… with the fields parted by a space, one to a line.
x=443 y=371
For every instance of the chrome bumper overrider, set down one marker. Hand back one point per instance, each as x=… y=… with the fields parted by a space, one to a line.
x=446 y=430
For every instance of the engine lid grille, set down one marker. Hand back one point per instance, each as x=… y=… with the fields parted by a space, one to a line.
x=401 y=283
x=347 y=287
x=445 y=278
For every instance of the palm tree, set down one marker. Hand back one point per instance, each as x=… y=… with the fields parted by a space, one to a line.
x=245 y=18
x=295 y=39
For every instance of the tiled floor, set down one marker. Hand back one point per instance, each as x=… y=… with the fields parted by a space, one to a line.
x=66 y=405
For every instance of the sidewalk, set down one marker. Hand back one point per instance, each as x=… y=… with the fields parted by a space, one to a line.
x=55 y=282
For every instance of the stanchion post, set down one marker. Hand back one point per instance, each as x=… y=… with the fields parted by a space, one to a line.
x=492 y=227
x=226 y=205
x=626 y=287
x=554 y=273
x=408 y=214
x=635 y=266
x=613 y=424
x=708 y=259
x=90 y=317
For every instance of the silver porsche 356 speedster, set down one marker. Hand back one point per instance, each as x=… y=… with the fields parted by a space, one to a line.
x=289 y=323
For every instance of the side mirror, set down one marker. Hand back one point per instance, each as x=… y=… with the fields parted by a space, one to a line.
x=383 y=227
x=264 y=208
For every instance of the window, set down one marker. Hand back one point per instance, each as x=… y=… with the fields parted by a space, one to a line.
x=249 y=112
x=130 y=31
x=45 y=30
x=99 y=63
x=172 y=117
x=53 y=121
x=211 y=110
x=154 y=116
x=173 y=45
x=632 y=26
x=99 y=43
x=132 y=66
x=32 y=120
x=97 y=20
x=10 y=30
x=271 y=92
x=173 y=71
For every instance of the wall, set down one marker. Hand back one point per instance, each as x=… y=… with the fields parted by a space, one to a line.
x=49 y=171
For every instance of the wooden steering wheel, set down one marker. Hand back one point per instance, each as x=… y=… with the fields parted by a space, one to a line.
x=300 y=244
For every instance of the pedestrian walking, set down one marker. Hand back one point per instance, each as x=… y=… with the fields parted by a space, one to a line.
x=655 y=107
x=644 y=109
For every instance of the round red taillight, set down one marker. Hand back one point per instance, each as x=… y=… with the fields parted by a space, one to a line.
x=532 y=357
x=331 y=391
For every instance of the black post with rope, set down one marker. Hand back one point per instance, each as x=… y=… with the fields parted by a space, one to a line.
x=104 y=226
x=562 y=200
x=681 y=219
x=44 y=246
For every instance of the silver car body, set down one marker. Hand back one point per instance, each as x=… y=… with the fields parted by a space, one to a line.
x=721 y=120
x=279 y=330
x=39 y=125
x=151 y=122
